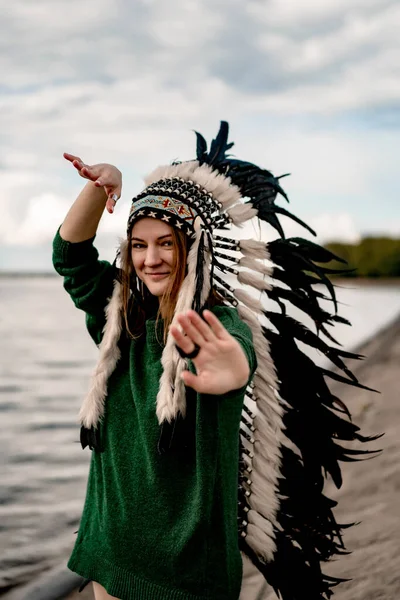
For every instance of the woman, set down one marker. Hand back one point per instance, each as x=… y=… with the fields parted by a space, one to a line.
x=186 y=454
x=170 y=502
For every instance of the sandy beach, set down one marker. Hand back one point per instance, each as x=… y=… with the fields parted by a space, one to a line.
x=371 y=490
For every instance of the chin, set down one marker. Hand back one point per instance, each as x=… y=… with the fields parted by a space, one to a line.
x=157 y=289
x=156 y=292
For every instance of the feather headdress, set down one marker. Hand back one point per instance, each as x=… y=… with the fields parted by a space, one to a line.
x=292 y=425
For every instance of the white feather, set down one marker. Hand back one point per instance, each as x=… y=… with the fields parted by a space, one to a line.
x=268 y=435
x=264 y=498
x=265 y=380
x=183 y=170
x=171 y=396
x=240 y=213
x=265 y=386
x=260 y=536
x=93 y=405
x=254 y=249
x=252 y=303
x=248 y=278
x=219 y=185
x=255 y=265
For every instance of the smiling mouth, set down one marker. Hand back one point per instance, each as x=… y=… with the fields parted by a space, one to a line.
x=156 y=275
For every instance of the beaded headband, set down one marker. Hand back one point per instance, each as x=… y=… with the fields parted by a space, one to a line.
x=179 y=201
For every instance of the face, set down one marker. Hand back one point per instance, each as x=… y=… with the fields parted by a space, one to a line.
x=153 y=254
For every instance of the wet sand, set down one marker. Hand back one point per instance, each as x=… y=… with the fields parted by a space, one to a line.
x=371 y=490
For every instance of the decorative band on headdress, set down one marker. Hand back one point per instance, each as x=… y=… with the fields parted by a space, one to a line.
x=171 y=211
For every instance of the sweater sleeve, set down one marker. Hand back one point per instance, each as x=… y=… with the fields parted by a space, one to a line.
x=88 y=280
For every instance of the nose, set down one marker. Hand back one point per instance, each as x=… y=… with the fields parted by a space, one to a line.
x=153 y=257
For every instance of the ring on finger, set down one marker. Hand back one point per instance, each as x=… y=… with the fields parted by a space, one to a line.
x=115 y=198
x=194 y=352
x=191 y=354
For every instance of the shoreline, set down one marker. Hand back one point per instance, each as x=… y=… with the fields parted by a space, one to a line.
x=365 y=281
x=339 y=281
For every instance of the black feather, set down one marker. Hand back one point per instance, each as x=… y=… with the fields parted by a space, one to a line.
x=90 y=437
x=199 y=274
x=294 y=261
x=314 y=251
x=201 y=149
x=282 y=211
x=219 y=145
x=338 y=377
x=300 y=332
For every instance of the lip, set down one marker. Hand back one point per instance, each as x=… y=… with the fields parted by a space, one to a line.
x=157 y=276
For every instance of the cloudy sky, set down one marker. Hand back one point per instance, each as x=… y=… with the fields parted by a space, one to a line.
x=310 y=87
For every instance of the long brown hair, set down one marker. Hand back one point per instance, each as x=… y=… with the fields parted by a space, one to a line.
x=142 y=299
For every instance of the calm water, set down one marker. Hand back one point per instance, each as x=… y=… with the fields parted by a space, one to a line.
x=46 y=359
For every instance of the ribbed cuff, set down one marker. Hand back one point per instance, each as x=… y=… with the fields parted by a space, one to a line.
x=123 y=584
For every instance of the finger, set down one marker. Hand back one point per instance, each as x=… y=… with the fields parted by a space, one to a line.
x=191 y=331
x=183 y=341
x=71 y=157
x=216 y=325
x=190 y=380
x=88 y=173
x=78 y=164
x=111 y=201
x=203 y=327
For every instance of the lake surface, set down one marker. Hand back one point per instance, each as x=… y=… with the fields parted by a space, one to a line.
x=46 y=360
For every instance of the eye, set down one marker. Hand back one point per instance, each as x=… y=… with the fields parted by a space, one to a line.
x=137 y=245
x=168 y=243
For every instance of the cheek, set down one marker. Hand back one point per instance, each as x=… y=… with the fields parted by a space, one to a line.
x=137 y=262
x=169 y=257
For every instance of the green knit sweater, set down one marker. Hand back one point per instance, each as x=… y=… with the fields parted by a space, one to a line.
x=156 y=526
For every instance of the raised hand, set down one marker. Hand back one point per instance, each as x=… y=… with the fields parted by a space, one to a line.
x=102 y=175
x=221 y=365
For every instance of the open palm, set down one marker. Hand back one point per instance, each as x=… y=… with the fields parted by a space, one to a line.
x=221 y=365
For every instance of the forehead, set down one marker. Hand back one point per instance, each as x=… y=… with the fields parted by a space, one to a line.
x=148 y=228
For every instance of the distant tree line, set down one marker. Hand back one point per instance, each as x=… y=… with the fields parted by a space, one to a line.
x=371 y=257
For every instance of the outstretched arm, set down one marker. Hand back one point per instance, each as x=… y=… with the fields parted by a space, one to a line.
x=221 y=364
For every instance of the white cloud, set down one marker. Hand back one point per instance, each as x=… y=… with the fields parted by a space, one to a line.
x=291 y=12
x=357 y=33
x=181 y=26
x=43 y=215
x=126 y=84
x=324 y=168
x=52 y=17
x=281 y=47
